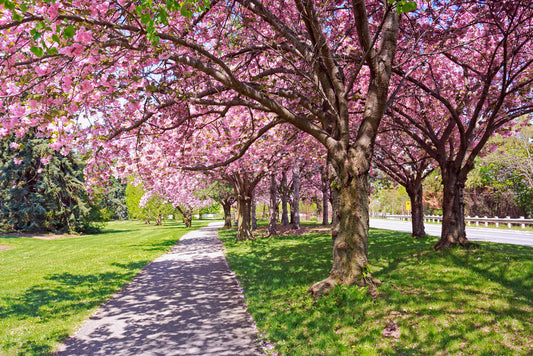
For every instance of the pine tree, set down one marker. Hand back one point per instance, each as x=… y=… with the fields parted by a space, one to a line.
x=42 y=190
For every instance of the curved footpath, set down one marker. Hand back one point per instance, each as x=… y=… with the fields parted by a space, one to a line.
x=186 y=302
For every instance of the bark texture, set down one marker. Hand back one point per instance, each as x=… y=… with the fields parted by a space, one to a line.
x=244 y=184
x=351 y=158
x=273 y=205
x=253 y=212
x=453 y=218
x=350 y=243
x=296 y=196
x=244 y=210
x=284 y=200
x=227 y=214
x=415 y=193
x=325 y=195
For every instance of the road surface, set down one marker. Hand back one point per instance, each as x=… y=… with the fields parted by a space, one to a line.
x=514 y=237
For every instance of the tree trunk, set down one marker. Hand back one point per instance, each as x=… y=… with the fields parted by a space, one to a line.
x=296 y=196
x=284 y=200
x=417 y=210
x=187 y=215
x=253 y=212
x=350 y=235
x=244 y=231
x=318 y=202
x=159 y=220
x=273 y=204
x=244 y=184
x=187 y=220
x=453 y=217
x=325 y=195
x=227 y=213
x=351 y=162
x=291 y=212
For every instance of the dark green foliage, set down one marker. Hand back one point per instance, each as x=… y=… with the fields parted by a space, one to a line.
x=43 y=198
x=113 y=202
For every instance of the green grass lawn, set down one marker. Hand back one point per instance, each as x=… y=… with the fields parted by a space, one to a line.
x=48 y=287
x=456 y=301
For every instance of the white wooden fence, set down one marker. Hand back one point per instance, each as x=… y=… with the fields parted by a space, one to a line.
x=470 y=220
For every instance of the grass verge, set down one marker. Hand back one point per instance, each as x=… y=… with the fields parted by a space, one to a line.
x=48 y=287
x=456 y=301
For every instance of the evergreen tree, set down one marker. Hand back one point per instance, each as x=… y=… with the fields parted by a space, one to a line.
x=112 y=201
x=42 y=190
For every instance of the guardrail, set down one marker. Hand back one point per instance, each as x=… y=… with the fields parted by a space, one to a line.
x=469 y=220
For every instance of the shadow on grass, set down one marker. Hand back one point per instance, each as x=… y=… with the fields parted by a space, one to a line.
x=453 y=301
x=64 y=296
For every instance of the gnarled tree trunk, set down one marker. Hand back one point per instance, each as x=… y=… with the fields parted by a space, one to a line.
x=325 y=195
x=227 y=213
x=350 y=235
x=244 y=184
x=187 y=215
x=253 y=212
x=417 y=210
x=244 y=210
x=284 y=200
x=453 y=216
x=351 y=160
x=273 y=206
x=296 y=196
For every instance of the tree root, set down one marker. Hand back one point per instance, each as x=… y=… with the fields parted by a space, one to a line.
x=322 y=288
x=325 y=286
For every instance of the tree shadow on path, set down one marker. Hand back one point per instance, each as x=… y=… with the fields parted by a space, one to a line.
x=184 y=303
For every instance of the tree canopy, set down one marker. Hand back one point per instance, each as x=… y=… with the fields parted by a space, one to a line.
x=166 y=88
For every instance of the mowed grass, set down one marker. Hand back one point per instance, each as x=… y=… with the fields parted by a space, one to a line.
x=457 y=301
x=48 y=287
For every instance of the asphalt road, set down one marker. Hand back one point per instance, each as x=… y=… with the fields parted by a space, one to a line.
x=514 y=237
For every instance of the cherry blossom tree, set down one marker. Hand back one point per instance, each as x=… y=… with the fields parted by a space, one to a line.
x=473 y=77
x=141 y=69
x=408 y=165
x=223 y=194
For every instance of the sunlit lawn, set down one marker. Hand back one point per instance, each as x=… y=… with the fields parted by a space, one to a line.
x=458 y=301
x=48 y=287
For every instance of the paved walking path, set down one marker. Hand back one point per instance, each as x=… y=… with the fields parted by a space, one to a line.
x=183 y=303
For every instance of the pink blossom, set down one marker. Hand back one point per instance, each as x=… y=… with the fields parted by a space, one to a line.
x=39 y=171
x=14 y=145
x=86 y=87
x=17 y=160
x=46 y=160
x=19 y=110
x=73 y=108
x=64 y=151
x=66 y=83
x=83 y=36
x=52 y=10
x=41 y=69
x=55 y=145
x=33 y=103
